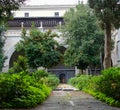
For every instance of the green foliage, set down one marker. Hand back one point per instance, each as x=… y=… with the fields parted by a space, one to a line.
x=40 y=74
x=2 y=40
x=108 y=13
x=52 y=81
x=29 y=100
x=83 y=37
x=105 y=87
x=40 y=48
x=104 y=98
x=6 y=6
x=46 y=78
x=19 y=66
x=21 y=91
x=110 y=83
x=80 y=82
x=94 y=83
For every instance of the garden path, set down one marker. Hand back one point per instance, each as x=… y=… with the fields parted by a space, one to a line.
x=66 y=97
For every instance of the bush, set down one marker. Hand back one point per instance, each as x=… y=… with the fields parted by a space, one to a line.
x=94 y=83
x=52 y=81
x=109 y=83
x=81 y=81
x=31 y=97
x=104 y=98
x=40 y=74
x=105 y=87
x=19 y=66
x=45 y=78
x=21 y=90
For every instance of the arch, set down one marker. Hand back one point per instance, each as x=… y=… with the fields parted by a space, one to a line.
x=8 y=54
x=9 y=49
x=14 y=58
x=62 y=78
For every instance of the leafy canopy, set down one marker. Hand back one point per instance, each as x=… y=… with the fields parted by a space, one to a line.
x=2 y=40
x=6 y=8
x=83 y=37
x=40 y=48
x=108 y=13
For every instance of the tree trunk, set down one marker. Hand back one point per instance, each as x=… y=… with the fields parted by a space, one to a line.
x=95 y=71
x=107 y=47
x=82 y=71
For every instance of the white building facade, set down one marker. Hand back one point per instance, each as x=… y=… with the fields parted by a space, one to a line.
x=45 y=17
x=42 y=11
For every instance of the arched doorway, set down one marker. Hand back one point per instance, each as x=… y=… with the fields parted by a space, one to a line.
x=14 y=58
x=62 y=78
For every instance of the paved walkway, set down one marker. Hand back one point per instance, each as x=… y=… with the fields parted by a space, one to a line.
x=72 y=100
x=65 y=87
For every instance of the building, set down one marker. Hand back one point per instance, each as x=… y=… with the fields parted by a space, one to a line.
x=45 y=17
x=115 y=55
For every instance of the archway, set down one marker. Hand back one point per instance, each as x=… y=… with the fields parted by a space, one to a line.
x=14 y=58
x=62 y=78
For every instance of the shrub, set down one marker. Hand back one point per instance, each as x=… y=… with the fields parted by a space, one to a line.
x=46 y=78
x=19 y=66
x=103 y=97
x=40 y=74
x=31 y=97
x=81 y=81
x=44 y=88
x=94 y=83
x=52 y=81
x=105 y=87
x=21 y=90
x=109 y=83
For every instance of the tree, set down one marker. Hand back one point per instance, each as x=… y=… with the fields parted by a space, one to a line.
x=2 y=58
x=108 y=13
x=40 y=48
x=6 y=8
x=83 y=37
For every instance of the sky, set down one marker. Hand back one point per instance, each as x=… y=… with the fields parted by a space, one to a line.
x=53 y=2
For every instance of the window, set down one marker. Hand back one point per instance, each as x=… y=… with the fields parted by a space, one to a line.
x=56 y=14
x=26 y=14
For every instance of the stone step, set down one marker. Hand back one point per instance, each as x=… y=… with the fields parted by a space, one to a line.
x=65 y=87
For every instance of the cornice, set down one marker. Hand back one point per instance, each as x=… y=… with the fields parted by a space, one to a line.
x=46 y=7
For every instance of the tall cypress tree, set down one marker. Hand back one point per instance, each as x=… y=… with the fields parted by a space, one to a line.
x=108 y=13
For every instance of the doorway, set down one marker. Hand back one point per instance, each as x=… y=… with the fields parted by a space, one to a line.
x=62 y=78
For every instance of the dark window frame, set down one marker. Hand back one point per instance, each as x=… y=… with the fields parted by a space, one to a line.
x=56 y=14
